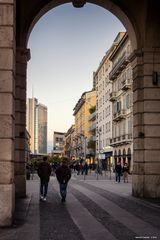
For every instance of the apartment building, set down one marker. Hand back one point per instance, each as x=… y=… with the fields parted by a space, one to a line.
x=92 y=140
x=121 y=98
x=69 y=143
x=37 y=126
x=58 y=143
x=103 y=85
x=82 y=124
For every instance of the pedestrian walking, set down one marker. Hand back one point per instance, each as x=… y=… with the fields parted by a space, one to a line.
x=118 y=171
x=63 y=174
x=77 y=167
x=28 y=172
x=125 y=172
x=85 y=168
x=44 y=172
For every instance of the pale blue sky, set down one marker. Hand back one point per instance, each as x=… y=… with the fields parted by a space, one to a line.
x=67 y=45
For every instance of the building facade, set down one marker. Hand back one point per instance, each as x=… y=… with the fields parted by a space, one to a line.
x=122 y=103
x=37 y=126
x=69 y=143
x=82 y=124
x=58 y=144
x=104 y=151
x=92 y=140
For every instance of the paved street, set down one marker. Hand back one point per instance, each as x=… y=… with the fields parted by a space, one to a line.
x=95 y=209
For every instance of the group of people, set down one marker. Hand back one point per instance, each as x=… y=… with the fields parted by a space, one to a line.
x=119 y=171
x=81 y=168
x=63 y=174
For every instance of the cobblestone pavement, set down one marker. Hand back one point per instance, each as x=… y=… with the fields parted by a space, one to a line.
x=96 y=208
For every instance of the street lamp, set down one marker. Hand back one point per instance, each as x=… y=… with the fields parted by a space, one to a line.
x=98 y=165
x=85 y=138
x=84 y=148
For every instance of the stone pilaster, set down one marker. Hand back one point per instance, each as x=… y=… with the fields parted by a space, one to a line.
x=146 y=121
x=20 y=121
x=7 y=110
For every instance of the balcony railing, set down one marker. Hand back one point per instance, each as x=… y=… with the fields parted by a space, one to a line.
x=121 y=140
x=126 y=84
x=119 y=66
x=92 y=116
x=118 y=116
x=112 y=96
x=92 y=138
x=93 y=127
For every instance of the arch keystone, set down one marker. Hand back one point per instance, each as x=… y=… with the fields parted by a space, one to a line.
x=78 y=3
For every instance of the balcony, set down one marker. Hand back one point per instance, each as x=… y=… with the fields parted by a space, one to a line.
x=92 y=138
x=121 y=140
x=112 y=96
x=118 y=116
x=93 y=127
x=118 y=67
x=92 y=116
x=126 y=85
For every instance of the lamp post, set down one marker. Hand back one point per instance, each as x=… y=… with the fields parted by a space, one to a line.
x=98 y=165
x=85 y=155
x=84 y=151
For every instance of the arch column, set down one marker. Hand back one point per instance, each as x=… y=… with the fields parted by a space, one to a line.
x=7 y=110
x=146 y=123
x=22 y=56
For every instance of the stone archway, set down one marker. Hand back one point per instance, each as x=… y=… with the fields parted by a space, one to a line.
x=142 y=24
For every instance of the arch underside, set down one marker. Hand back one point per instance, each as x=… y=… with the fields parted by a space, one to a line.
x=35 y=10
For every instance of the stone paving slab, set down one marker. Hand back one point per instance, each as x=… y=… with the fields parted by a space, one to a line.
x=128 y=219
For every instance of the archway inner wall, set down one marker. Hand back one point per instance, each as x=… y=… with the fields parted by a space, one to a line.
x=7 y=110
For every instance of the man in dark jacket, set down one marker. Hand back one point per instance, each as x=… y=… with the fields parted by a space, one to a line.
x=44 y=172
x=63 y=174
x=118 y=171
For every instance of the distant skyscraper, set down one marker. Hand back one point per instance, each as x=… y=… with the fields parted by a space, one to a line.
x=37 y=126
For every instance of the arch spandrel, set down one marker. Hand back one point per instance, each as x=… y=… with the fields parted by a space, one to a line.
x=30 y=12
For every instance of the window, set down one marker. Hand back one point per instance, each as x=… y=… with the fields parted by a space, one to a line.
x=127 y=101
x=115 y=108
x=129 y=120
x=123 y=127
x=109 y=126
x=118 y=106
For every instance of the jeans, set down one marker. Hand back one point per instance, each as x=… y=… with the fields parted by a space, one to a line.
x=43 y=188
x=118 y=176
x=63 y=189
